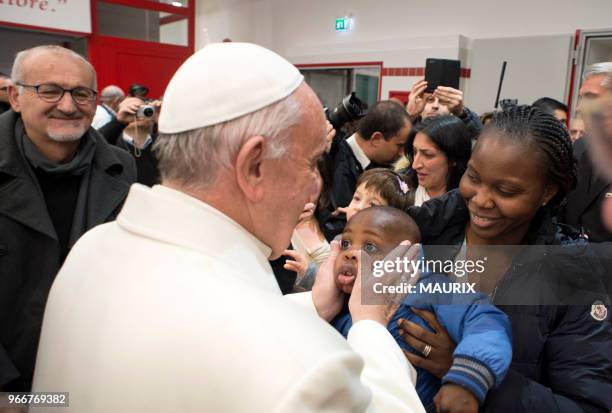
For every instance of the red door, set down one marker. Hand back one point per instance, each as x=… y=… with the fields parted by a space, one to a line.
x=123 y=61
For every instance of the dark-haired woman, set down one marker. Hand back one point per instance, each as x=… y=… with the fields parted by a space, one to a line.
x=520 y=170
x=439 y=148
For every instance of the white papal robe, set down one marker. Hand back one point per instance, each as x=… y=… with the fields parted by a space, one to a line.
x=174 y=308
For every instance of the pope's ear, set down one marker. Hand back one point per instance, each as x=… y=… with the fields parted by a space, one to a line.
x=249 y=168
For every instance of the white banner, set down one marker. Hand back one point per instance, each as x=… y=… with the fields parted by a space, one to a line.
x=70 y=15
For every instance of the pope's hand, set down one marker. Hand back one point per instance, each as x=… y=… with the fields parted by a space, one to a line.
x=366 y=303
x=326 y=296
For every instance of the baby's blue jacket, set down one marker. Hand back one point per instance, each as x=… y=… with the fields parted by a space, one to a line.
x=482 y=333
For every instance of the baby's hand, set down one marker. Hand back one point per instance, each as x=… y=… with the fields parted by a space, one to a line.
x=339 y=211
x=453 y=398
x=299 y=263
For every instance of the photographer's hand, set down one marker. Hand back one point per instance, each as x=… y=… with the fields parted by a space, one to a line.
x=128 y=108
x=416 y=102
x=157 y=106
x=451 y=98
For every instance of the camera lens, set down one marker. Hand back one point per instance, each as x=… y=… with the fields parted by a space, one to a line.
x=349 y=109
x=145 y=111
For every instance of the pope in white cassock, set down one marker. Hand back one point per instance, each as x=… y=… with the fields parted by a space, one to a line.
x=174 y=307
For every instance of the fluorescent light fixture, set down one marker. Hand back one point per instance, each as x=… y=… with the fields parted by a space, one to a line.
x=177 y=4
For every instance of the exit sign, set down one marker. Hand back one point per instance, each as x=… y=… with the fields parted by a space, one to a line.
x=343 y=23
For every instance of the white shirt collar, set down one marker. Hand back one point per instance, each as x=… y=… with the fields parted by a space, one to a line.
x=130 y=140
x=358 y=152
x=176 y=218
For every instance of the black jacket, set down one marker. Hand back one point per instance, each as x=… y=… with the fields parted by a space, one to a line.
x=346 y=171
x=147 y=170
x=583 y=208
x=30 y=250
x=562 y=355
x=112 y=130
x=4 y=107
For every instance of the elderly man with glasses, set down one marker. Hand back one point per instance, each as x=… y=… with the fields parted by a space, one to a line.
x=58 y=178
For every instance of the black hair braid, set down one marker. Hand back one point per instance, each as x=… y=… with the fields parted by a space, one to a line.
x=549 y=137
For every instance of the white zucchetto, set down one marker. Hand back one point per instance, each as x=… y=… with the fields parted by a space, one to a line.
x=223 y=81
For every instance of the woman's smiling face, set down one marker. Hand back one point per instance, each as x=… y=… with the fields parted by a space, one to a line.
x=503 y=187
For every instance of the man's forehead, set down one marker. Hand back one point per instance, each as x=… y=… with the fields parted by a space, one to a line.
x=43 y=66
x=594 y=85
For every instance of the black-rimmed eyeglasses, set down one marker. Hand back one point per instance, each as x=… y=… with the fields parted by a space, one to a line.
x=52 y=93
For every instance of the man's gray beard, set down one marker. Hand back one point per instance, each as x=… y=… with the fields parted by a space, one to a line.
x=72 y=137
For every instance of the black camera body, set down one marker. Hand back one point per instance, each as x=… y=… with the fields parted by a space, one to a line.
x=349 y=109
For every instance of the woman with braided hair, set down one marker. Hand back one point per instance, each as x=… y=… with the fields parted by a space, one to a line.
x=549 y=285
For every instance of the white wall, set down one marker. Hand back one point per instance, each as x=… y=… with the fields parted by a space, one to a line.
x=399 y=33
x=300 y=23
x=285 y=24
x=239 y=20
x=537 y=67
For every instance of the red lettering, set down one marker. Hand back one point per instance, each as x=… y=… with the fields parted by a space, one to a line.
x=42 y=5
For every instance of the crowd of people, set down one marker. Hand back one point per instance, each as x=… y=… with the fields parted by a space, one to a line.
x=204 y=253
